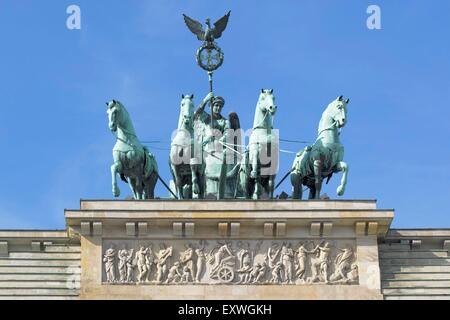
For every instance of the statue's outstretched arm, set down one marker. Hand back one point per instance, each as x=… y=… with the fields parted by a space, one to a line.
x=201 y=107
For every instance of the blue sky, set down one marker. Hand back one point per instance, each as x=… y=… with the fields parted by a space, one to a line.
x=56 y=145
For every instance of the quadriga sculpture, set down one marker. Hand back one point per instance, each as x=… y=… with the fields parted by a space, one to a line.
x=185 y=161
x=325 y=156
x=260 y=162
x=135 y=164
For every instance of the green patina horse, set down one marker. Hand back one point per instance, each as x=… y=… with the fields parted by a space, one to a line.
x=135 y=164
x=259 y=164
x=325 y=156
x=185 y=158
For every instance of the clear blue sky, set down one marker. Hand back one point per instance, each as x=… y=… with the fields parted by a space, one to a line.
x=56 y=145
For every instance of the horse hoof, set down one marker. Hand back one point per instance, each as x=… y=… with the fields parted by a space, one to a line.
x=340 y=191
x=116 y=192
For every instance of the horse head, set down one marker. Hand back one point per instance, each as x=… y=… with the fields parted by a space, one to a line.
x=114 y=111
x=186 y=111
x=266 y=101
x=337 y=111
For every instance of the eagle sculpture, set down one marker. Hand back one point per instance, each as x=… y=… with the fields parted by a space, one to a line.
x=209 y=34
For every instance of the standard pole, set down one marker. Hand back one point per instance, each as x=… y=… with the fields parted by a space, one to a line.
x=210 y=78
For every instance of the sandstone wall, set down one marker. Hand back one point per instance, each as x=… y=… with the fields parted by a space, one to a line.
x=39 y=265
x=415 y=264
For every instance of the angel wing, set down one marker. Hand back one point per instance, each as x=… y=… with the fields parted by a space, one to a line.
x=220 y=25
x=235 y=125
x=195 y=27
x=234 y=121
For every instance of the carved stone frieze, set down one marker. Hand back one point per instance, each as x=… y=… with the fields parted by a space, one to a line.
x=234 y=262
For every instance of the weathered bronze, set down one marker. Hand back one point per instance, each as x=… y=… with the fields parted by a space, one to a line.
x=209 y=34
x=325 y=156
x=259 y=164
x=207 y=159
x=132 y=161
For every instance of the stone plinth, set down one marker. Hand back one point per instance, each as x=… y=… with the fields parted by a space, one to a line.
x=279 y=249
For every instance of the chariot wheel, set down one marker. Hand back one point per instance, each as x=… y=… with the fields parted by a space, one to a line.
x=225 y=274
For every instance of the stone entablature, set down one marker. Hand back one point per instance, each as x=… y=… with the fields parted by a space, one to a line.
x=228 y=219
x=71 y=264
x=244 y=249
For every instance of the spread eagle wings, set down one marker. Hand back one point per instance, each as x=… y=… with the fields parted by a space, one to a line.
x=220 y=25
x=195 y=27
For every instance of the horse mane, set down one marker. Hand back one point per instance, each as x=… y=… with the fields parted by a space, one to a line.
x=322 y=118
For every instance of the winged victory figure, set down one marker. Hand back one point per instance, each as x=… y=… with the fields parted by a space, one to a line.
x=209 y=34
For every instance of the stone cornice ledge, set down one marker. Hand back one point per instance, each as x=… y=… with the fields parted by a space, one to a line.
x=330 y=217
x=224 y=205
x=418 y=233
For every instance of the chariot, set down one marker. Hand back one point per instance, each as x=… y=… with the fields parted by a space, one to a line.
x=224 y=272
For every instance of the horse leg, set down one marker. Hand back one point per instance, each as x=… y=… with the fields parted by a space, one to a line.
x=186 y=188
x=265 y=192
x=270 y=186
x=296 y=186
x=254 y=171
x=246 y=186
x=318 y=177
x=257 y=189
x=195 y=181
x=198 y=181
x=176 y=179
x=149 y=188
x=202 y=184
x=150 y=179
x=312 y=192
x=131 y=183
x=254 y=195
x=139 y=188
x=253 y=155
x=252 y=188
x=243 y=183
x=152 y=185
x=115 y=169
x=342 y=166
x=178 y=185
